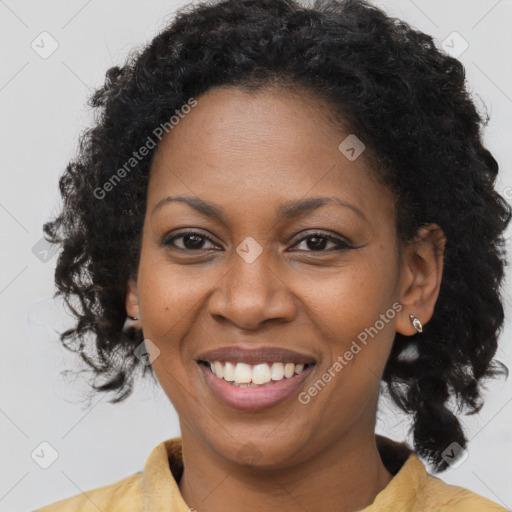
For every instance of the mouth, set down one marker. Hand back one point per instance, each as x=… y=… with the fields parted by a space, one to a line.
x=254 y=388
x=243 y=375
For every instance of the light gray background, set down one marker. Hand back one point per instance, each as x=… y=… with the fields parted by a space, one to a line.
x=42 y=111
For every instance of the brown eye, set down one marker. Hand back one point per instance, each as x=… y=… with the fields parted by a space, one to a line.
x=317 y=242
x=190 y=241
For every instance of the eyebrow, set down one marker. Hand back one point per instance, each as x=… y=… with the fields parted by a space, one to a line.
x=287 y=211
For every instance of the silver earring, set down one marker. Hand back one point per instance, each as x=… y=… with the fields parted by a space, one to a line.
x=416 y=323
x=130 y=323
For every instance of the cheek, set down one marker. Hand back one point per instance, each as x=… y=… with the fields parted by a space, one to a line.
x=354 y=297
x=170 y=299
x=358 y=341
x=170 y=295
x=354 y=314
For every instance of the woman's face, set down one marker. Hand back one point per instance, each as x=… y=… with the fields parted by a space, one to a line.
x=316 y=281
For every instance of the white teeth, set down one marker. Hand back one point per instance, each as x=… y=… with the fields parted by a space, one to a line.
x=299 y=368
x=289 y=369
x=243 y=373
x=277 y=371
x=229 y=372
x=246 y=375
x=219 y=370
x=261 y=374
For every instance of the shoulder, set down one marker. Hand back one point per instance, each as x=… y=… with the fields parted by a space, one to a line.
x=414 y=489
x=454 y=498
x=154 y=488
x=120 y=496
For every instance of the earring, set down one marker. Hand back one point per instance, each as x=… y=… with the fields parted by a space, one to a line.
x=130 y=323
x=416 y=323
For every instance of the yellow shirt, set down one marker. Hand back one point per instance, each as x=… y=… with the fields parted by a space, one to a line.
x=156 y=489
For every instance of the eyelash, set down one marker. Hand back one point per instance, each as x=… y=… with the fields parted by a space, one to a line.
x=341 y=244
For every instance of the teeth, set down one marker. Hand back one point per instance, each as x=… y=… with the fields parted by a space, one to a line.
x=261 y=374
x=289 y=369
x=229 y=372
x=219 y=370
x=246 y=375
x=243 y=373
x=277 y=371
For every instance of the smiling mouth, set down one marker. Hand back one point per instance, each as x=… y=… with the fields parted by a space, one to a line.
x=245 y=375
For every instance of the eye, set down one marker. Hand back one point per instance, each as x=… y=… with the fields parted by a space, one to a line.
x=317 y=242
x=190 y=241
x=194 y=241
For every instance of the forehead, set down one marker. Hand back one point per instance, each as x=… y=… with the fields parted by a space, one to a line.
x=247 y=149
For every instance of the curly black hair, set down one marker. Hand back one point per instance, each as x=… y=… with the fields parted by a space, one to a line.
x=406 y=100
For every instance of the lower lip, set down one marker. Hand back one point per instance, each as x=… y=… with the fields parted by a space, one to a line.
x=255 y=398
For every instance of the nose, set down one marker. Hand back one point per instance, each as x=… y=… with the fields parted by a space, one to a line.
x=252 y=293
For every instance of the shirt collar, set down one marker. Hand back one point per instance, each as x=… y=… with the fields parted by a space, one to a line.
x=409 y=477
x=164 y=467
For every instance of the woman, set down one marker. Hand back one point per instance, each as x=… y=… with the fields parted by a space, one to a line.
x=280 y=210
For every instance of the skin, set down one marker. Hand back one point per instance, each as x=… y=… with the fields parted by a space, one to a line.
x=249 y=153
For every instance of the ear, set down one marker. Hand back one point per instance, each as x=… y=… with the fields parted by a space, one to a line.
x=421 y=274
x=132 y=299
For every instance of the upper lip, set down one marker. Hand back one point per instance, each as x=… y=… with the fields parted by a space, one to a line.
x=255 y=356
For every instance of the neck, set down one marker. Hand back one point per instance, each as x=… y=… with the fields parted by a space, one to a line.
x=346 y=477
